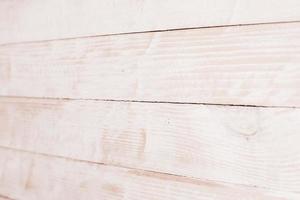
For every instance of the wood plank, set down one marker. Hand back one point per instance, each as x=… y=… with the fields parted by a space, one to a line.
x=54 y=19
x=256 y=65
x=240 y=145
x=28 y=176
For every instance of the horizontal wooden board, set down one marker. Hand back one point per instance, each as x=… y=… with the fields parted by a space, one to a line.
x=54 y=19
x=29 y=176
x=241 y=145
x=256 y=65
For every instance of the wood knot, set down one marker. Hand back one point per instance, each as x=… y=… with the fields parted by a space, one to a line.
x=244 y=122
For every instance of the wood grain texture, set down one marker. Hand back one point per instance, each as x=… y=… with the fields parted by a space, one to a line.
x=29 y=20
x=241 y=145
x=28 y=176
x=256 y=65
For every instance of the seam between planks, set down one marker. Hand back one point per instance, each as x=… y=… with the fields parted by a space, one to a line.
x=144 y=172
x=152 y=31
x=146 y=102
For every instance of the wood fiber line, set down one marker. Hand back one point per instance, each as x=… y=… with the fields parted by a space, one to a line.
x=30 y=176
x=239 y=145
x=53 y=19
x=251 y=65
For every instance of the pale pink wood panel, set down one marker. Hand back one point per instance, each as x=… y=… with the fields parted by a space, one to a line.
x=241 y=145
x=256 y=65
x=30 y=20
x=30 y=176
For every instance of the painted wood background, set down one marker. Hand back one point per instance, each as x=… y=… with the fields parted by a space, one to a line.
x=150 y=100
x=30 y=20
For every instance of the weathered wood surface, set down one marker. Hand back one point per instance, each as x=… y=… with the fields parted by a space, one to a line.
x=241 y=145
x=29 y=176
x=55 y=19
x=256 y=65
x=97 y=101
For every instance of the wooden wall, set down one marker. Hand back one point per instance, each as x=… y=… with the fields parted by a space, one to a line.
x=150 y=100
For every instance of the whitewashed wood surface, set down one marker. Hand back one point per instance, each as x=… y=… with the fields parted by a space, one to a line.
x=240 y=145
x=150 y=100
x=29 y=176
x=29 y=20
x=256 y=65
